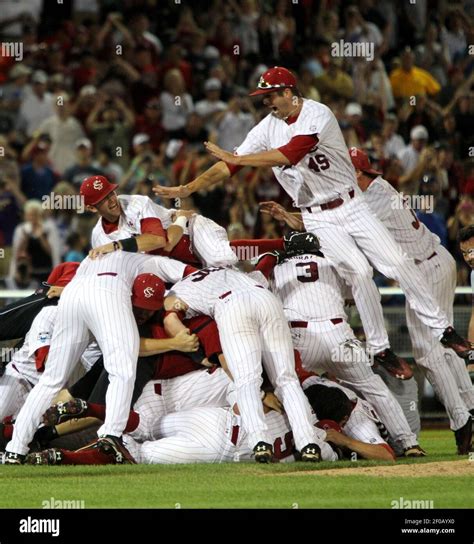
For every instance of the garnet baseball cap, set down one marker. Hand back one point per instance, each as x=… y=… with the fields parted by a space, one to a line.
x=360 y=160
x=96 y=188
x=148 y=292
x=62 y=274
x=273 y=79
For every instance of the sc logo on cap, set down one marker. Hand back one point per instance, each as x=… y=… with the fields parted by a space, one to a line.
x=149 y=292
x=98 y=185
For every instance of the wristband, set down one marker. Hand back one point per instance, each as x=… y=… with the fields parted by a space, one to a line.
x=181 y=221
x=130 y=244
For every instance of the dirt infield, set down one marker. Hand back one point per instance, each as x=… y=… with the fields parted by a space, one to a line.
x=419 y=470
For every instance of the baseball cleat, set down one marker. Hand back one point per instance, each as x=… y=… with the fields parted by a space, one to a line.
x=311 y=453
x=112 y=445
x=64 y=411
x=458 y=344
x=463 y=438
x=51 y=456
x=393 y=364
x=414 y=451
x=263 y=452
x=10 y=458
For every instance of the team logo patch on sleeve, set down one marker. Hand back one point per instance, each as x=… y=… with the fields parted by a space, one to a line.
x=44 y=336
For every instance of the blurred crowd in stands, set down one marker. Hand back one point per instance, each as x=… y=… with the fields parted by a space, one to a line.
x=132 y=89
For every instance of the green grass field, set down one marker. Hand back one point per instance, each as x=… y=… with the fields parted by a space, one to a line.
x=244 y=485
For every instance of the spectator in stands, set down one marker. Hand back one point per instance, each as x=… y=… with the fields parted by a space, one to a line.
x=36 y=105
x=211 y=104
x=393 y=142
x=409 y=80
x=176 y=103
x=235 y=122
x=110 y=123
x=12 y=95
x=37 y=177
x=409 y=156
x=36 y=240
x=64 y=130
x=149 y=123
x=335 y=82
x=83 y=167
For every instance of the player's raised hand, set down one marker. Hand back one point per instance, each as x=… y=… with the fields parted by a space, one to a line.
x=186 y=342
x=277 y=211
x=270 y=400
x=172 y=192
x=220 y=154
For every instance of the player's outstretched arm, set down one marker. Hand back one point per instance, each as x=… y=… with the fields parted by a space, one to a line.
x=273 y=157
x=377 y=452
x=213 y=175
x=142 y=243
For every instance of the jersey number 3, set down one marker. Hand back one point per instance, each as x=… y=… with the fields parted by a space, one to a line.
x=309 y=272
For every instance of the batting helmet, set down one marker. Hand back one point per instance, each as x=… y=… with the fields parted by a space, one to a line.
x=148 y=292
x=297 y=243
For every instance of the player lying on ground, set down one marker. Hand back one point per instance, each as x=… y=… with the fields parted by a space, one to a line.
x=215 y=435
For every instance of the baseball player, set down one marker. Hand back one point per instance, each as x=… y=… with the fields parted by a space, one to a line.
x=357 y=424
x=302 y=142
x=216 y=435
x=311 y=294
x=443 y=368
x=251 y=326
x=138 y=224
x=96 y=302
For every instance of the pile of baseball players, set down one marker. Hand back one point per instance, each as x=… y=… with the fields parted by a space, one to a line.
x=184 y=358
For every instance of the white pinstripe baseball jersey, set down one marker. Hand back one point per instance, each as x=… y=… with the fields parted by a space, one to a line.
x=309 y=288
x=322 y=174
x=134 y=208
x=388 y=205
x=126 y=266
x=202 y=289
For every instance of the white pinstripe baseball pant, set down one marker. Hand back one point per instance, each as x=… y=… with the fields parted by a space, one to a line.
x=445 y=371
x=201 y=435
x=252 y=327
x=334 y=347
x=97 y=305
x=354 y=239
